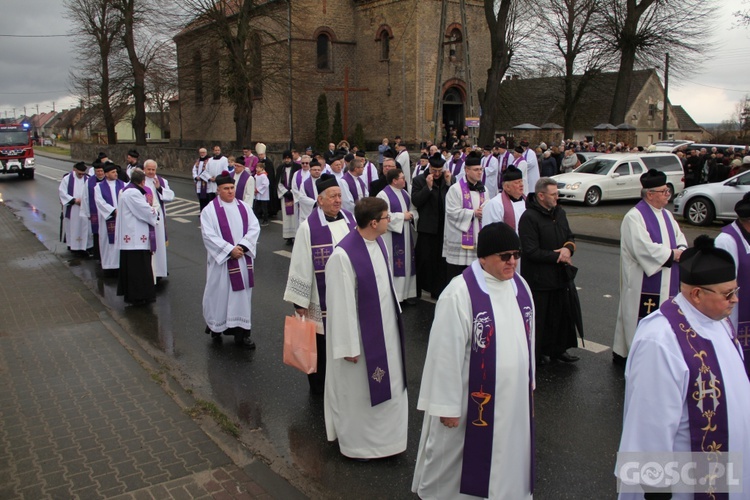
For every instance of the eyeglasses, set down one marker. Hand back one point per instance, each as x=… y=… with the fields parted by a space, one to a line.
x=662 y=191
x=505 y=257
x=387 y=217
x=305 y=163
x=728 y=295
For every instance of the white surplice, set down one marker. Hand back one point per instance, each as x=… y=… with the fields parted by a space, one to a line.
x=657 y=382
x=445 y=393
x=457 y=221
x=298 y=191
x=363 y=431
x=638 y=254
x=490 y=165
x=110 y=252
x=727 y=242
x=249 y=195
x=77 y=229
x=214 y=168
x=85 y=211
x=159 y=259
x=290 y=221
x=347 y=197
x=134 y=215
x=494 y=211
x=405 y=286
x=301 y=284
x=533 y=168
x=305 y=204
x=222 y=307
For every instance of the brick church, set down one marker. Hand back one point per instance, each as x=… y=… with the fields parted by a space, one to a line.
x=377 y=58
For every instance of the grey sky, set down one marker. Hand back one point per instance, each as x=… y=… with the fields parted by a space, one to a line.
x=34 y=71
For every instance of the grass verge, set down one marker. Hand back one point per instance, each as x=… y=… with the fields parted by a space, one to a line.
x=203 y=407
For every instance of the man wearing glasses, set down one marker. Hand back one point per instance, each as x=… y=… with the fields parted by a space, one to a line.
x=651 y=243
x=686 y=387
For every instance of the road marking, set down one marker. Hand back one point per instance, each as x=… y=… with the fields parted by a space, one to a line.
x=183 y=207
x=592 y=346
x=180 y=219
x=284 y=253
x=277 y=221
x=607 y=296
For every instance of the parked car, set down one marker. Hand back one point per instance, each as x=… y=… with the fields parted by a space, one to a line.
x=702 y=204
x=617 y=176
x=586 y=156
x=47 y=142
x=670 y=146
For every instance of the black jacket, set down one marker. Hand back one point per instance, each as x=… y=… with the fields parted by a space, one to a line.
x=377 y=185
x=280 y=176
x=542 y=232
x=430 y=204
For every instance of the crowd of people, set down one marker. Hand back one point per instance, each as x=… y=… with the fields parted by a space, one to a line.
x=481 y=231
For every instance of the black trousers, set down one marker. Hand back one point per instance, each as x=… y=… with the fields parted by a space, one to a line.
x=136 y=278
x=317 y=380
x=555 y=326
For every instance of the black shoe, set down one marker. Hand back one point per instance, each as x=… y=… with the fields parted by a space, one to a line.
x=216 y=337
x=244 y=341
x=543 y=360
x=566 y=358
x=619 y=360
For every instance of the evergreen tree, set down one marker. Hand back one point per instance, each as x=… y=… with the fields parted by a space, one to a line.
x=322 y=126
x=359 y=137
x=338 y=131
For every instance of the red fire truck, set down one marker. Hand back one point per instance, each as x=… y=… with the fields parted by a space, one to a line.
x=16 y=150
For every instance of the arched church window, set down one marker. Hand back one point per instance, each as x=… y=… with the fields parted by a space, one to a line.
x=324 y=51
x=455 y=45
x=384 y=39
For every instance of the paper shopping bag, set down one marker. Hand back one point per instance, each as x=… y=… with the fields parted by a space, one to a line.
x=299 y=344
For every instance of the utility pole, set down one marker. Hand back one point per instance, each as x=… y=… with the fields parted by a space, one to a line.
x=666 y=99
x=37 y=109
x=53 y=106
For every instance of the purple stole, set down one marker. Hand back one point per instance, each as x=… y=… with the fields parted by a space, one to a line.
x=287 y=183
x=485 y=161
x=298 y=178
x=457 y=166
x=480 y=418
x=509 y=213
x=706 y=399
x=368 y=172
x=204 y=184
x=350 y=181
x=309 y=189
x=71 y=190
x=503 y=165
x=233 y=265
x=398 y=240
x=241 y=182
x=651 y=287
x=149 y=199
x=467 y=238
x=743 y=281
x=90 y=185
x=321 y=243
x=110 y=199
x=370 y=319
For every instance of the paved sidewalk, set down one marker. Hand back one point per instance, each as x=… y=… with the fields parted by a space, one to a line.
x=80 y=416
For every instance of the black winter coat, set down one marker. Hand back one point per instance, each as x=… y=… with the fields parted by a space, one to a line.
x=542 y=232
x=430 y=204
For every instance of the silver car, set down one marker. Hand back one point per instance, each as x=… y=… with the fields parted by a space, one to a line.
x=701 y=204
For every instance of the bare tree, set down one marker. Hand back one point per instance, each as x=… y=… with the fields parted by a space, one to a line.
x=247 y=35
x=96 y=23
x=508 y=30
x=571 y=27
x=161 y=82
x=641 y=32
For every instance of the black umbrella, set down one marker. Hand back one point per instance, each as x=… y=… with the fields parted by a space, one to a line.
x=574 y=303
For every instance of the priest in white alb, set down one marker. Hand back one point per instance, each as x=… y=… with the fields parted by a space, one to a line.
x=161 y=194
x=284 y=178
x=307 y=195
x=230 y=234
x=476 y=393
x=365 y=401
x=316 y=238
x=510 y=204
x=77 y=229
x=106 y=194
x=650 y=246
x=686 y=389
x=399 y=239
x=464 y=206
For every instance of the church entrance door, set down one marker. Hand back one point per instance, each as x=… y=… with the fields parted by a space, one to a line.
x=453 y=109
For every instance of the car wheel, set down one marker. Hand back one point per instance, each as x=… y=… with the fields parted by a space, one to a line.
x=700 y=212
x=593 y=197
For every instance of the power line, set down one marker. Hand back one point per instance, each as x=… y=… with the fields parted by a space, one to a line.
x=33 y=36
x=29 y=93
x=718 y=88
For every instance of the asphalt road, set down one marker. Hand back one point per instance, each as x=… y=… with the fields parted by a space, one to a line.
x=578 y=406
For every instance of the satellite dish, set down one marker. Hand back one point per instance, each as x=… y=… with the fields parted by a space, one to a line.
x=660 y=105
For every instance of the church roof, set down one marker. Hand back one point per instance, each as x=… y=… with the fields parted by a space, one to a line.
x=539 y=100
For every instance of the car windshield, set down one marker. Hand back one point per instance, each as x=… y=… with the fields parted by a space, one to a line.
x=14 y=138
x=595 y=166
